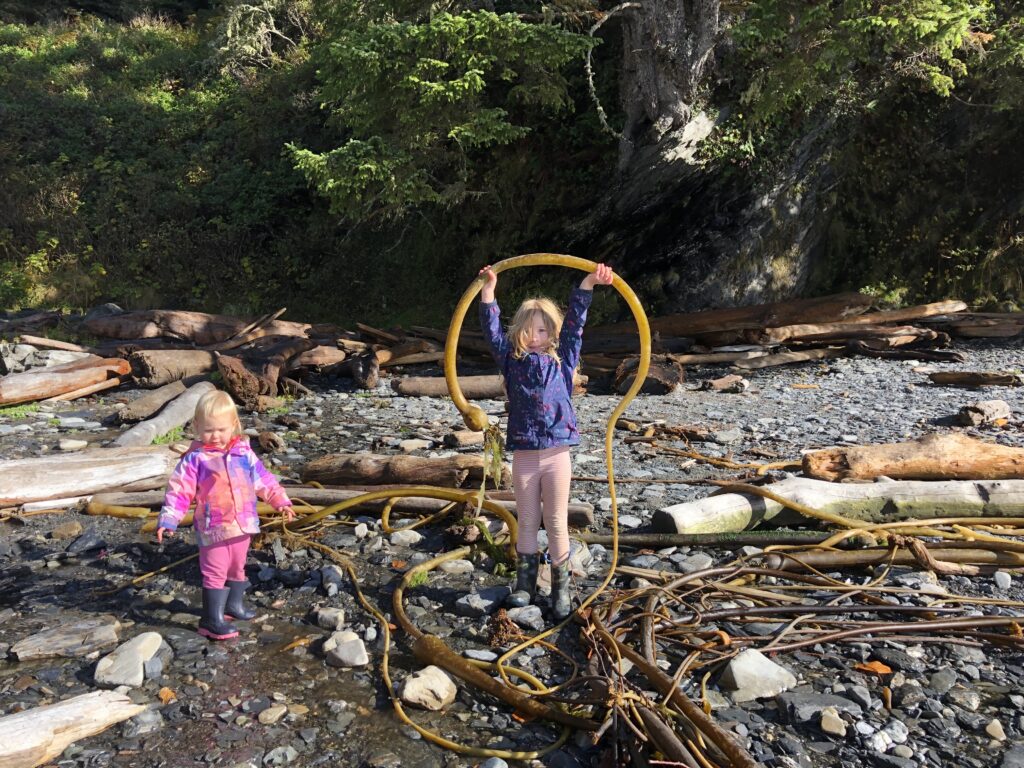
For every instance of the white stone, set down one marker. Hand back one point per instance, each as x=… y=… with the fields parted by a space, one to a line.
x=406 y=538
x=880 y=741
x=361 y=530
x=345 y=649
x=995 y=730
x=456 y=567
x=272 y=714
x=332 y=577
x=752 y=675
x=72 y=445
x=126 y=664
x=408 y=446
x=330 y=618
x=429 y=688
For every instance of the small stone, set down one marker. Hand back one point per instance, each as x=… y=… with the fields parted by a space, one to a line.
x=68 y=530
x=361 y=530
x=752 y=675
x=126 y=664
x=805 y=707
x=69 y=444
x=429 y=688
x=456 y=567
x=943 y=680
x=88 y=541
x=831 y=723
x=330 y=618
x=272 y=714
x=482 y=603
x=902 y=750
x=965 y=698
x=995 y=730
x=345 y=649
x=527 y=617
x=280 y=755
x=406 y=538
x=493 y=762
x=415 y=444
x=147 y=721
x=1003 y=580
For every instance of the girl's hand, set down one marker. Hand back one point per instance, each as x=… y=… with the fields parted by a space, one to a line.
x=490 y=283
x=288 y=512
x=603 y=275
x=160 y=534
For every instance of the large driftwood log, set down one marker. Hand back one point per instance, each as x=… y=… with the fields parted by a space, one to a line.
x=269 y=359
x=823 y=309
x=157 y=367
x=373 y=469
x=977 y=378
x=196 y=327
x=362 y=368
x=786 y=358
x=150 y=403
x=318 y=357
x=78 y=474
x=69 y=639
x=43 y=383
x=934 y=457
x=38 y=735
x=663 y=376
x=885 y=501
x=809 y=328
x=176 y=414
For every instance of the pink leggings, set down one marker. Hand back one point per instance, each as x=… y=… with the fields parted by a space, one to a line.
x=223 y=561
x=541 y=480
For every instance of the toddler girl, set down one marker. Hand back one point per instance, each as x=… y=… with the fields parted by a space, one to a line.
x=537 y=358
x=223 y=476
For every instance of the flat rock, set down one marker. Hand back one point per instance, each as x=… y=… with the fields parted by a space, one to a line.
x=77 y=639
x=1013 y=758
x=272 y=714
x=752 y=675
x=330 y=618
x=806 y=707
x=527 y=617
x=69 y=444
x=345 y=649
x=68 y=530
x=406 y=538
x=429 y=688
x=482 y=603
x=126 y=665
x=456 y=567
x=145 y=722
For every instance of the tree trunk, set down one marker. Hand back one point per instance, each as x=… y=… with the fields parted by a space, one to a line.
x=150 y=403
x=157 y=367
x=176 y=414
x=38 y=735
x=196 y=327
x=78 y=474
x=371 y=469
x=935 y=457
x=872 y=502
x=42 y=383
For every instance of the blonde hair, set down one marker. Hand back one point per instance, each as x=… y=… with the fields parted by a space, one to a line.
x=214 y=404
x=519 y=331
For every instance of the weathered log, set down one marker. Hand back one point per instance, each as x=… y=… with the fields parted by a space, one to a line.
x=69 y=640
x=363 y=369
x=463 y=438
x=196 y=327
x=243 y=384
x=36 y=736
x=875 y=336
x=473 y=387
x=782 y=333
x=247 y=333
x=381 y=336
x=85 y=472
x=977 y=378
x=414 y=358
x=92 y=389
x=44 y=343
x=469 y=340
x=150 y=403
x=885 y=501
x=34 y=320
x=715 y=358
x=731 y=383
x=271 y=358
x=981 y=324
x=822 y=309
x=934 y=457
x=176 y=414
x=318 y=357
x=831 y=561
x=859 y=347
x=157 y=367
x=42 y=383
x=983 y=412
x=373 y=469
x=786 y=358
x=663 y=376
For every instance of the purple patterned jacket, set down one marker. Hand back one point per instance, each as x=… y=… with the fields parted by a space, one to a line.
x=540 y=414
x=224 y=484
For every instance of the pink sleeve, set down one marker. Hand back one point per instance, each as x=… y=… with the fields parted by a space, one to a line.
x=181 y=489
x=267 y=487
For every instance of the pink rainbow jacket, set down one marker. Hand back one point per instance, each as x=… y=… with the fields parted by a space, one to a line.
x=224 y=483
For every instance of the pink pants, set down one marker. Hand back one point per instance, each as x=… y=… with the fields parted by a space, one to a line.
x=541 y=480
x=223 y=562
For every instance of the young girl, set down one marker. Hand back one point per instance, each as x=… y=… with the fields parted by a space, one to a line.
x=537 y=358
x=223 y=476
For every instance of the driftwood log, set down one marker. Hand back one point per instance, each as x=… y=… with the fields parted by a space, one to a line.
x=319 y=357
x=875 y=320
x=36 y=736
x=363 y=368
x=156 y=367
x=786 y=358
x=473 y=387
x=373 y=469
x=177 y=413
x=977 y=378
x=85 y=472
x=195 y=327
x=43 y=383
x=150 y=403
x=663 y=376
x=935 y=457
x=885 y=501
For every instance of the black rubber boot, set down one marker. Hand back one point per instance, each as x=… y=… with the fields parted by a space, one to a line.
x=526 y=581
x=212 y=624
x=561 y=601
x=235 y=608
